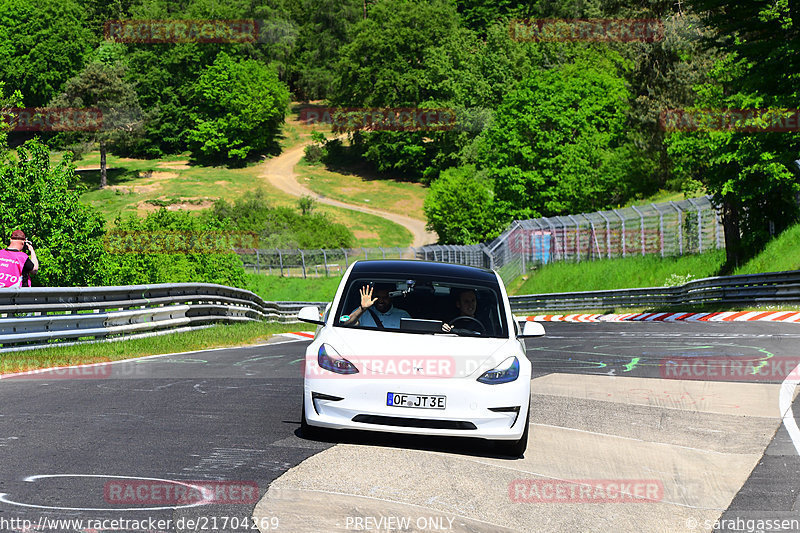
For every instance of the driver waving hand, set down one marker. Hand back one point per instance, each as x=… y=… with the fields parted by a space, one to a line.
x=377 y=312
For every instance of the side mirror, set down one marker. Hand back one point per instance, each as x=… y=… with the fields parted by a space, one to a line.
x=531 y=329
x=310 y=314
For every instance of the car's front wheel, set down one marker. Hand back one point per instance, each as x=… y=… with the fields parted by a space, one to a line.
x=307 y=431
x=517 y=448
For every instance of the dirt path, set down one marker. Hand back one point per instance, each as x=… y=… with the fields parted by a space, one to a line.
x=279 y=171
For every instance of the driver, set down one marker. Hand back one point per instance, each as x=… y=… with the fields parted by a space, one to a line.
x=377 y=312
x=467 y=305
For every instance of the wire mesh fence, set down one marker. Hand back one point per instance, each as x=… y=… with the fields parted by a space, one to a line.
x=665 y=229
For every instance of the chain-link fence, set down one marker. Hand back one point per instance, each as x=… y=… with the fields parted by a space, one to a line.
x=317 y=262
x=665 y=229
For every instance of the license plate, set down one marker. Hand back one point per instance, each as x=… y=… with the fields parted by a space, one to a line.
x=421 y=401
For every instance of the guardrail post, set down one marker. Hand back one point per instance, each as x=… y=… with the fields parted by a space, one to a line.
x=641 y=219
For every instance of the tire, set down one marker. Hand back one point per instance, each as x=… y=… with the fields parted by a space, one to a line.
x=517 y=448
x=307 y=431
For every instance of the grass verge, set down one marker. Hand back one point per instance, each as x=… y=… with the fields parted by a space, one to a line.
x=627 y=273
x=280 y=289
x=401 y=197
x=217 y=336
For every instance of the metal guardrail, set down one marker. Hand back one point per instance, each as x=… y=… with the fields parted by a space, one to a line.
x=748 y=289
x=35 y=317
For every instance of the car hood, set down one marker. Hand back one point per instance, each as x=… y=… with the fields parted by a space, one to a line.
x=387 y=353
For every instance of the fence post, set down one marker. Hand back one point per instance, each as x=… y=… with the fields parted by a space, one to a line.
x=641 y=218
x=383 y=252
x=280 y=258
x=325 y=260
x=345 y=259
x=660 y=227
x=577 y=237
x=365 y=254
x=258 y=263
x=303 y=259
x=622 y=220
x=608 y=234
x=680 y=226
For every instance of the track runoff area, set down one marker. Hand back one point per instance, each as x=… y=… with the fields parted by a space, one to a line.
x=636 y=426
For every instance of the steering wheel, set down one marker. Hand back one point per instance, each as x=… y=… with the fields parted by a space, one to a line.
x=473 y=319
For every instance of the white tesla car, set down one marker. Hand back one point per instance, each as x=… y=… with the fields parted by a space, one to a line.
x=435 y=351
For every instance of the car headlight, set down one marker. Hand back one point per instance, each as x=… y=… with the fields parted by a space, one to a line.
x=330 y=360
x=505 y=372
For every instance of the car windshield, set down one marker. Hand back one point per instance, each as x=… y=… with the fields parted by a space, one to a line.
x=425 y=305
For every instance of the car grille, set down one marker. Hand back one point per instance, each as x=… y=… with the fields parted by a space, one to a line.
x=413 y=422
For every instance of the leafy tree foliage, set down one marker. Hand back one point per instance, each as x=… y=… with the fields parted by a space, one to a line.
x=42 y=44
x=238 y=107
x=282 y=227
x=42 y=200
x=102 y=84
x=146 y=266
x=754 y=176
x=557 y=143
x=460 y=207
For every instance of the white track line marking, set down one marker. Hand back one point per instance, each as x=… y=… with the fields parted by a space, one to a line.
x=785 y=405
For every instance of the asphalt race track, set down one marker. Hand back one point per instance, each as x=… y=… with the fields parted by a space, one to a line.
x=616 y=412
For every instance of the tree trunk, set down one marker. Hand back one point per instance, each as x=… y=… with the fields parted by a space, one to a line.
x=733 y=236
x=103 y=175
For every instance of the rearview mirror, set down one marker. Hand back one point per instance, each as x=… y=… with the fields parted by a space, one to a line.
x=531 y=329
x=310 y=314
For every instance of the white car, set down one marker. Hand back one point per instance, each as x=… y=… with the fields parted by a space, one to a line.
x=438 y=353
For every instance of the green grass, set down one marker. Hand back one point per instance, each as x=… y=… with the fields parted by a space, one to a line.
x=648 y=271
x=280 y=289
x=395 y=196
x=780 y=254
x=218 y=336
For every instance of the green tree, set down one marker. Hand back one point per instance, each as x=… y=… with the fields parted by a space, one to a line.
x=753 y=176
x=557 y=144
x=42 y=199
x=42 y=45
x=460 y=207
x=170 y=247
x=237 y=109
x=102 y=84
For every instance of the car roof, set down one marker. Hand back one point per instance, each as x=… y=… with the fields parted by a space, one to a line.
x=410 y=267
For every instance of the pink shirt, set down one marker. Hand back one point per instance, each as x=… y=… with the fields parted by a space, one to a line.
x=11 y=265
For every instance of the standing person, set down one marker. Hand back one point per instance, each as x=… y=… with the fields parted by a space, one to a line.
x=16 y=267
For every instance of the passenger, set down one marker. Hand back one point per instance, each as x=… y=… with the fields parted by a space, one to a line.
x=378 y=311
x=467 y=304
